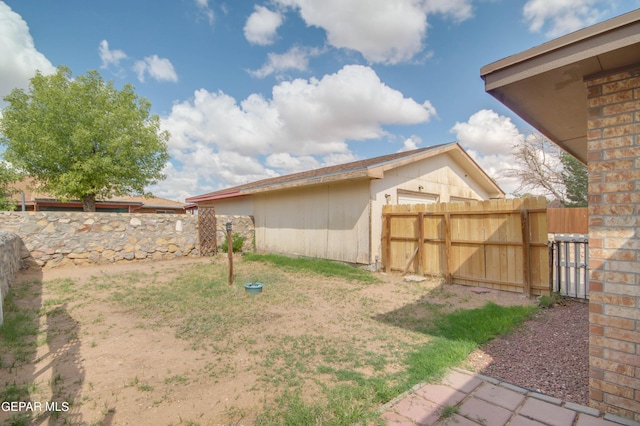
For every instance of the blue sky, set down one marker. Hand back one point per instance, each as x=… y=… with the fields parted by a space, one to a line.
x=250 y=90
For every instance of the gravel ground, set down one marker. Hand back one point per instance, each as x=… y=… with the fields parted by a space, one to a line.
x=549 y=353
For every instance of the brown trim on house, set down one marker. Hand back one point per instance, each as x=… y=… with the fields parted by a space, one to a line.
x=372 y=168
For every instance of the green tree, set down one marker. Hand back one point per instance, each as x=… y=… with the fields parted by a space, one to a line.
x=81 y=138
x=7 y=176
x=574 y=175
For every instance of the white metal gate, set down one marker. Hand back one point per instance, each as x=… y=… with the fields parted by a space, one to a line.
x=569 y=262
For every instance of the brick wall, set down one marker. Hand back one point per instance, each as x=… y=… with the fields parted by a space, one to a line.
x=614 y=241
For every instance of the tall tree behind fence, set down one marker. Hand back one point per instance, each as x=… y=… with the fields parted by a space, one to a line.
x=499 y=244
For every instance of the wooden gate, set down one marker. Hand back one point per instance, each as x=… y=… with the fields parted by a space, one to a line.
x=499 y=244
x=207 y=231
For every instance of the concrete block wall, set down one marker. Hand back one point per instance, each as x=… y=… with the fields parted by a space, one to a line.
x=614 y=241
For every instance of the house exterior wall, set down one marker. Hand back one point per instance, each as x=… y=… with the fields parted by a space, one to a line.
x=614 y=241
x=440 y=176
x=242 y=206
x=326 y=221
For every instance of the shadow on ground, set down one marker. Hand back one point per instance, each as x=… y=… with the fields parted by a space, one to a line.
x=40 y=361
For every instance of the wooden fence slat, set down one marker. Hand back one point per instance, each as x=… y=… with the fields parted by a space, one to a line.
x=568 y=220
x=447 y=249
x=526 y=258
x=420 y=247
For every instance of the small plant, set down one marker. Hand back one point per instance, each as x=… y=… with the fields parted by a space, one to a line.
x=13 y=392
x=237 y=242
x=550 y=300
x=449 y=411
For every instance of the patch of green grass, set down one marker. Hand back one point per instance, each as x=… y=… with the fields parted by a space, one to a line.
x=19 y=419
x=323 y=267
x=19 y=330
x=482 y=324
x=14 y=392
x=459 y=333
x=355 y=397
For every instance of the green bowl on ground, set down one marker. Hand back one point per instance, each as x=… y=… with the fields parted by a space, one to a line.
x=253 y=288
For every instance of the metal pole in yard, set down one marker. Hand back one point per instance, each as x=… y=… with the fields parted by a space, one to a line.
x=230 y=252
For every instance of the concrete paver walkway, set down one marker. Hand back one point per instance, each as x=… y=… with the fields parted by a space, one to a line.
x=463 y=398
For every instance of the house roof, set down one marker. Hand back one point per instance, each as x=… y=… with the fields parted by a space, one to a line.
x=545 y=85
x=32 y=197
x=371 y=168
x=151 y=202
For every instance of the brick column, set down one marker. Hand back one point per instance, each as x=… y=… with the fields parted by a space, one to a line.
x=614 y=241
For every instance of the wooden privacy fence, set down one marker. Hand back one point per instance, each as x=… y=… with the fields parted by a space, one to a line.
x=499 y=244
x=574 y=220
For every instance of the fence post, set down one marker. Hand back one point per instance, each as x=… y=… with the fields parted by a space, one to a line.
x=386 y=245
x=230 y=252
x=551 y=287
x=526 y=252
x=447 y=248
x=420 y=241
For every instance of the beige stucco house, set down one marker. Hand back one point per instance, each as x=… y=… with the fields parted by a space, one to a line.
x=336 y=212
x=582 y=91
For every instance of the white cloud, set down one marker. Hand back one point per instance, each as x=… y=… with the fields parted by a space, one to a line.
x=459 y=10
x=159 y=69
x=110 y=57
x=383 y=31
x=489 y=139
x=305 y=124
x=203 y=6
x=488 y=133
x=262 y=25
x=291 y=164
x=179 y=184
x=562 y=17
x=495 y=166
x=296 y=58
x=19 y=59
x=411 y=143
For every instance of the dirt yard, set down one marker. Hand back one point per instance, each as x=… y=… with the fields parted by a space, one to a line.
x=114 y=349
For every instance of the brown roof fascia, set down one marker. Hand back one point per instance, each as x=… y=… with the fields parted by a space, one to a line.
x=213 y=196
x=337 y=177
x=562 y=42
x=361 y=169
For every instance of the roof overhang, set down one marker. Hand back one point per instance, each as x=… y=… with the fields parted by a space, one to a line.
x=545 y=85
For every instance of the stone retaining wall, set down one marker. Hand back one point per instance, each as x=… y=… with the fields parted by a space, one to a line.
x=79 y=238
x=11 y=254
x=243 y=225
